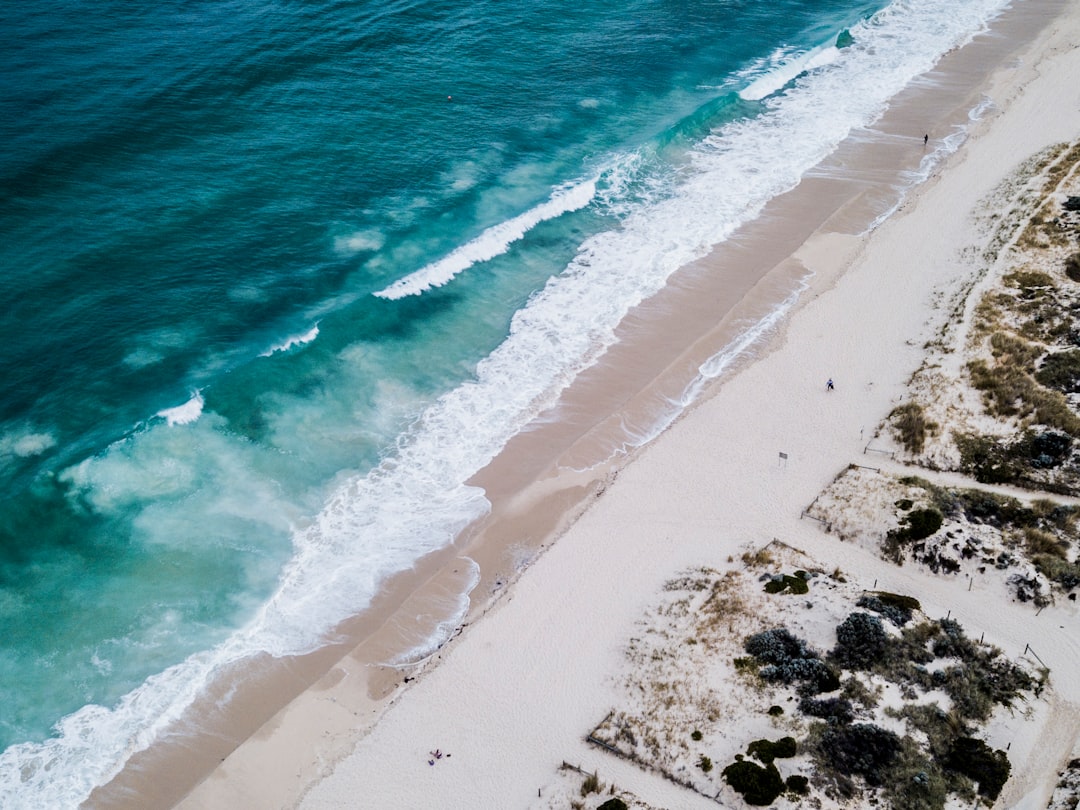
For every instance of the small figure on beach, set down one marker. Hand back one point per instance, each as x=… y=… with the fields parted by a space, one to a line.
x=925 y=140
x=829 y=385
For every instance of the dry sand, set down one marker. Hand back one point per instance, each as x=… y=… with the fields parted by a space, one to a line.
x=514 y=695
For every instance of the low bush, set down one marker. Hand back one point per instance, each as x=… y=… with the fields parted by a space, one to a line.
x=777 y=646
x=835 y=711
x=897 y=609
x=1061 y=371
x=766 y=751
x=705 y=763
x=794 y=584
x=920 y=524
x=1072 y=267
x=976 y=760
x=759 y=786
x=613 y=804
x=911 y=426
x=798 y=784
x=861 y=642
x=788 y=659
x=862 y=750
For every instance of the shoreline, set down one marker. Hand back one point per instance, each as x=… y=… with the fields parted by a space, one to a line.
x=334 y=699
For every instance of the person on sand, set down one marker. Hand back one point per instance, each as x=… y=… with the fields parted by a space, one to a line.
x=925 y=140
x=829 y=385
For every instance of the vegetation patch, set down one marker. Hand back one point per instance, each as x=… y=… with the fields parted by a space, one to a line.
x=862 y=749
x=860 y=642
x=788 y=659
x=784 y=583
x=918 y=524
x=896 y=608
x=759 y=786
x=977 y=761
x=912 y=427
x=765 y=751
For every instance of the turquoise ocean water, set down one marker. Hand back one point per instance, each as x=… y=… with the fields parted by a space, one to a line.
x=281 y=276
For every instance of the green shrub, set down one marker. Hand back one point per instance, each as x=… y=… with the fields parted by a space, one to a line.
x=863 y=749
x=798 y=784
x=1061 y=371
x=776 y=711
x=976 y=760
x=695 y=735
x=897 y=609
x=796 y=584
x=759 y=786
x=613 y=804
x=834 y=710
x=705 y=763
x=766 y=750
x=788 y=660
x=921 y=523
x=1072 y=267
x=860 y=642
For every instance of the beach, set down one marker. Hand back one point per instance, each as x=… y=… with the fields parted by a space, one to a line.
x=585 y=528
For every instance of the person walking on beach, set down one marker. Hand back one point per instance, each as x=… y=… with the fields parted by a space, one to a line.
x=829 y=385
x=925 y=140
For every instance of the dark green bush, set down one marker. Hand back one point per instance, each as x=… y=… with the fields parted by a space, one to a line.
x=705 y=763
x=976 y=760
x=833 y=710
x=759 y=786
x=897 y=609
x=862 y=749
x=860 y=642
x=1061 y=371
x=790 y=660
x=613 y=804
x=921 y=523
x=695 y=735
x=776 y=711
x=777 y=646
x=1072 y=267
x=798 y=784
x=794 y=584
x=767 y=750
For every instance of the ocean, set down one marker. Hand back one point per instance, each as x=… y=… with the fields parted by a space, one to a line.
x=283 y=276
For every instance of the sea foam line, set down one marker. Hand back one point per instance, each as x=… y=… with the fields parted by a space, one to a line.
x=782 y=67
x=493 y=242
x=294 y=340
x=418 y=500
x=184 y=414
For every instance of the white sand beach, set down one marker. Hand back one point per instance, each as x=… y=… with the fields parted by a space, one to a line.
x=542 y=657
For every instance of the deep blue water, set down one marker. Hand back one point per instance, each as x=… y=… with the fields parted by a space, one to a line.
x=222 y=422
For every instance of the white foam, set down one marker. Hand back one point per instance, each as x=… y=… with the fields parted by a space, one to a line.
x=367 y=241
x=26 y=443
x=184 y=414
x=781 y=68
x=493 y=242
x=293 y=340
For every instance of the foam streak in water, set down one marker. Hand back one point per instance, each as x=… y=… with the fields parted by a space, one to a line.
x=184 y=414
x=493 y=242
